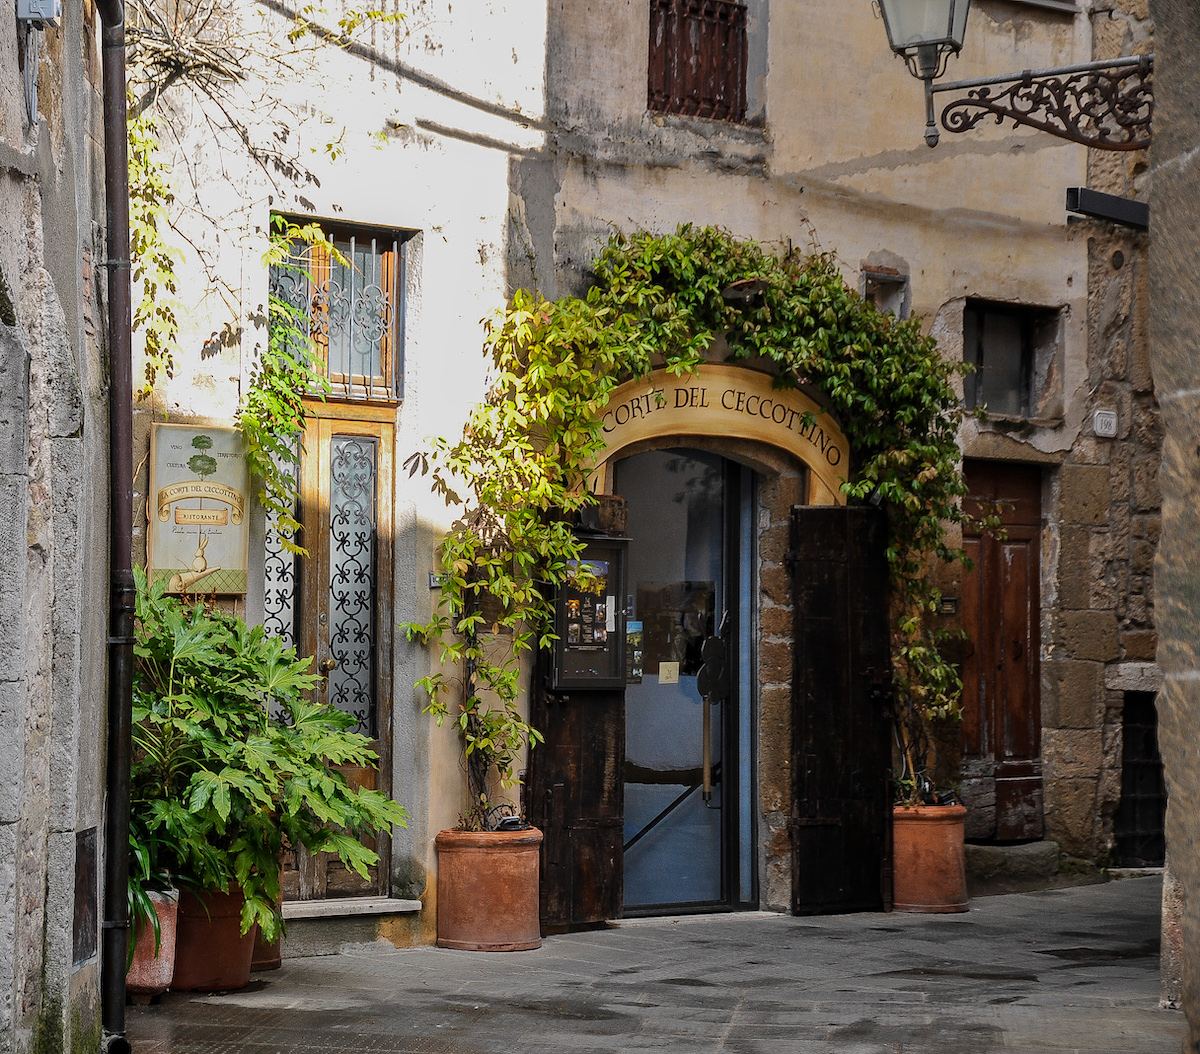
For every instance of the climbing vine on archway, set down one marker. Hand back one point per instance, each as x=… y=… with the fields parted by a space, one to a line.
x=520 y=468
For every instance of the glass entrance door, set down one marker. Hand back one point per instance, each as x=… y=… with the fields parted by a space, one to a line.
x=687 y=777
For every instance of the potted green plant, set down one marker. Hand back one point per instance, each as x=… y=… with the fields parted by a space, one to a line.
x=928 y=824
x=488 y=866
x=234 y=762
x=518 y=478
x=153 y=911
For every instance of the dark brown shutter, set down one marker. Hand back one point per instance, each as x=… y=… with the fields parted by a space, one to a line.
x=841 y=806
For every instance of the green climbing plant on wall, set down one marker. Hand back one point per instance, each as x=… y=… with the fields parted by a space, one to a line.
x=518 y=472
x=229 y=64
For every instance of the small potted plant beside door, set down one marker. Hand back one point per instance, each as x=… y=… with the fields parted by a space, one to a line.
x=928 y=826
x=488 y=866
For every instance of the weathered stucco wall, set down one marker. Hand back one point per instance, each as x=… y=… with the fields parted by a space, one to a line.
x=427 y=118
x=53 y=581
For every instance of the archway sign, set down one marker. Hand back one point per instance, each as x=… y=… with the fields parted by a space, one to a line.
x=723 y=400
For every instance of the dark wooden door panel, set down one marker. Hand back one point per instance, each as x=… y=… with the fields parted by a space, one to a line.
x=1015 y=708
x=975 y=673
x=841 y=809
x=1001 y=777
x=575 y=797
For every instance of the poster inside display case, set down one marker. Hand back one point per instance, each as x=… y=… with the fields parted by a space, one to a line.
x=590 y=620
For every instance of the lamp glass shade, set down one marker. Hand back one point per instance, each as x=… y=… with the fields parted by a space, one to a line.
x=910 y=23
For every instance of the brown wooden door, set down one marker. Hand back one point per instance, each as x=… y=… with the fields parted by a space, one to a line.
x=344 y=611
x=575 y=797
x=841 y=810
x=1001 y=731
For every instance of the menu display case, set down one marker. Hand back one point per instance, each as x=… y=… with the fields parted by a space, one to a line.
x=590 y=620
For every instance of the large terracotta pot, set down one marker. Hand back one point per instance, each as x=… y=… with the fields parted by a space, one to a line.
x=150 y=973
x=487 y=890
x=929 y=870
x=266 y=956
x=211 y=952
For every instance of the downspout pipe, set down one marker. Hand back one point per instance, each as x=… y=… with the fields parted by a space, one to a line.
x=115 y=926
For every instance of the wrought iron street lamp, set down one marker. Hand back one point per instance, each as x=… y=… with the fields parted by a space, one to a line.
x=925 y=33
x=1107 y=104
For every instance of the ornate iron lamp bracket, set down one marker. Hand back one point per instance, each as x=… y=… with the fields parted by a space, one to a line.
x=1107 y=105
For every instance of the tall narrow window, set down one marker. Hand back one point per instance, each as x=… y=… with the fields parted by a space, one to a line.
x=354 y=302
x=698 y=58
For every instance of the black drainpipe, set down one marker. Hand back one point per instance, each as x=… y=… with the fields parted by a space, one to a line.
x=115 y=939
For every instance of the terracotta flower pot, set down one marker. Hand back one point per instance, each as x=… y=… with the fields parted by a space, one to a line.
x=266 y=956
x=211 y=952
x=487 y=890
x=929 y=870
x=150 y=973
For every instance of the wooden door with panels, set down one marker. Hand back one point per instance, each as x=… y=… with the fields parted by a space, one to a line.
x=1001 y=729
x=344 y=613
x=841 y=685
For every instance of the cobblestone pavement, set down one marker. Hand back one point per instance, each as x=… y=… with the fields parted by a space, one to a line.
x=1057 y=971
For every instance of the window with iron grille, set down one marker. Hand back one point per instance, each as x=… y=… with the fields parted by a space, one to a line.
x=355 y=307
x=698 y=58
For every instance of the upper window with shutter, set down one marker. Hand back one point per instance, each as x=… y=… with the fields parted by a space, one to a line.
x=698 y=58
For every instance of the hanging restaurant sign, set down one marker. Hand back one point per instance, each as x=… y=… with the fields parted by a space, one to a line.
x=736 y=402
x=198 y=534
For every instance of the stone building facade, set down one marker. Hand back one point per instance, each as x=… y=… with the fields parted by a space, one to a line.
x=502 y=174
x=53 y=534
x=1174 y=322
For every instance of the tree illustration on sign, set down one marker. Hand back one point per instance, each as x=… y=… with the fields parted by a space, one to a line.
x=204 y=465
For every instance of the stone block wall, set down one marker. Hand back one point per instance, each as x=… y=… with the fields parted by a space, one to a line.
x=53 y=534
x=1105 y=511
x=776 y=496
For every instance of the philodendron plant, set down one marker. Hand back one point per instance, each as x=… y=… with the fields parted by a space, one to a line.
x=220 y=787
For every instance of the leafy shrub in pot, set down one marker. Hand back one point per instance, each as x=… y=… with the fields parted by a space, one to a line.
x=234 y=761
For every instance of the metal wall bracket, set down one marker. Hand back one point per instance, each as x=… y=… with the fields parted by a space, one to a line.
x=1107 y=105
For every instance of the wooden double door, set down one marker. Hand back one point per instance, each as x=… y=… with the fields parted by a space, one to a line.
x=340 y=607
x=1001 y=729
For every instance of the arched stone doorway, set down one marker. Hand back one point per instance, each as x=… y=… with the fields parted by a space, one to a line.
x=711 y=465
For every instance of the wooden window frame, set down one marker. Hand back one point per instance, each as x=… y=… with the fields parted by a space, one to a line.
x=386 y=388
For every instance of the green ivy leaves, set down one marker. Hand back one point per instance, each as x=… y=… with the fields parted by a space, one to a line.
x=519 y=470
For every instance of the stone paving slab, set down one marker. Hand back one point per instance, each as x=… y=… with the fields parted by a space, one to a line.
x=1064 y=971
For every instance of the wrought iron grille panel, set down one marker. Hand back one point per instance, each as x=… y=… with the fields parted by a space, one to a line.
x=698 y=58
x=355 y=310
x=279 y=589
x=353 y=513
x=1138 y=825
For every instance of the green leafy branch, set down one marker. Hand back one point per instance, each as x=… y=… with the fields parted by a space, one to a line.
x=272 y=414
x=156 y=314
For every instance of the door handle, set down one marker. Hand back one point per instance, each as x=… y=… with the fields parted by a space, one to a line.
x=327 y=665
x=1018 y=649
